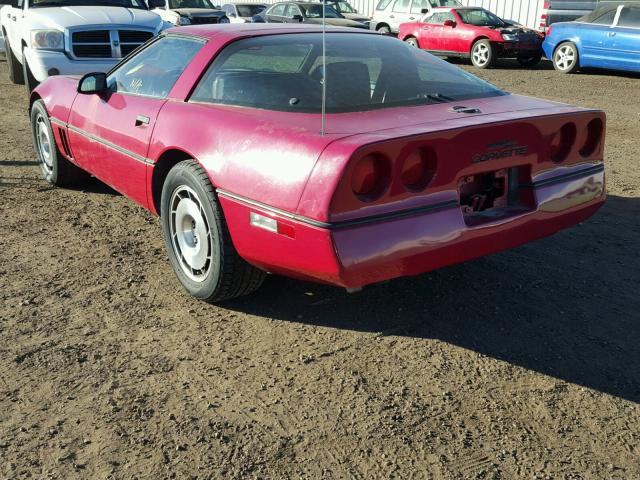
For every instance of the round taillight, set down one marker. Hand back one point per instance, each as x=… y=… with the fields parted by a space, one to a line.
x=562 y=142
x=419 y=169
x=594 y=134
x=370 y=177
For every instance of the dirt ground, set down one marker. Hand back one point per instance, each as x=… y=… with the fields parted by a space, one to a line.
x=524 y=364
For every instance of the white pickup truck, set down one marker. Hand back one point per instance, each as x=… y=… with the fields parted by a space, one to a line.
x=73 y=37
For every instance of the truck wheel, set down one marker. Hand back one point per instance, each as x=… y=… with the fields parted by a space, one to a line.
x=198 y=241
x=29 y=80
x=566 y=58
x=15 y=69
x=483 y=54
x=56 y=169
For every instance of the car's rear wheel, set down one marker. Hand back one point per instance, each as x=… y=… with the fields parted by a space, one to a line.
x=383 y=30
x=413 y=41
x=15 y=69
x=198 y=241
x=530 y=61
x=483 y=54
x=56 y=169
x=566 y=58
x=29 y=80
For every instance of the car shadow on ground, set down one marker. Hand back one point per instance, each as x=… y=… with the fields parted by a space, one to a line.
x=566 y=306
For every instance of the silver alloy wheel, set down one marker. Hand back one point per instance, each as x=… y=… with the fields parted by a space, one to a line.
x=481 y=54
x=190 y=233
x=565 y=57
x=44 y=145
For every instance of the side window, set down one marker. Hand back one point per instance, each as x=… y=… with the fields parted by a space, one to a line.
x=629 y=17
x=448 y=16
x=292 y=10
x=436 y=19
x=17 y=3
x=606 y=18
x=278 y=10
x=383 y=4
x=401 y=6
x=418 y=5
x=154 y=70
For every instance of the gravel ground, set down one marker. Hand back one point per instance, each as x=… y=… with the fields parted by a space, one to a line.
x=525 y=364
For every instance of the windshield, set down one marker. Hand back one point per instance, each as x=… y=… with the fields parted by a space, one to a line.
x=100 y=3
x=176 y=4
x=481 y=18
x=342 y=7
x=315 y=11
x=249 y=10
x=364 y=72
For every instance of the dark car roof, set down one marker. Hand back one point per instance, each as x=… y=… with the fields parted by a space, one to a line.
x=235 y=31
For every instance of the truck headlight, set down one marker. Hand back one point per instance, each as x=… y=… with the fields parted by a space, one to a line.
x=509 y=37
x=47 y=40
x=184 y=21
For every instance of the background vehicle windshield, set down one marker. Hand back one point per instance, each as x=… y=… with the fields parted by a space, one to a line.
x=77 y=3
x=480 y=18
x=176 y=4
x=315 y=11
x=341 y=7
x=364 y=72
x=445 y=3
x=249 y=10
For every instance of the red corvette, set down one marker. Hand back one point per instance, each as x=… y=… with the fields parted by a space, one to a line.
x=474 y=33
x=218 y=130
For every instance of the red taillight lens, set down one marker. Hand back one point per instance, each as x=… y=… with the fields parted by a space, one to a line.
x=545 y=5
x=419 y=169
x=370 y=177
x=594 y=136
x=562 y=142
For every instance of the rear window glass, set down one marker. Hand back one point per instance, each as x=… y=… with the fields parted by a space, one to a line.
x=629 y=17
x=364 y=72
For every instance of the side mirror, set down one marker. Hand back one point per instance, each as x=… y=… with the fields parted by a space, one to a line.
x=93 y=83
x=157 y=4
x=449 y=23
x=297 y=17
x=424 y=10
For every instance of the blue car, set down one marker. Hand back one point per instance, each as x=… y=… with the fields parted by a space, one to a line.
x=608 y=37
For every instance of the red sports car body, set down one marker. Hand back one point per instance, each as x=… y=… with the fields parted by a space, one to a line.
x=475 y=33
x=394 y=187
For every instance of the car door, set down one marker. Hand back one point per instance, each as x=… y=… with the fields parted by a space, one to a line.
x=109 y=133
x=400 y=13
x=292 y=13
x=276 y=13
x=593 y=40
x=623 y=41
x=429 y=33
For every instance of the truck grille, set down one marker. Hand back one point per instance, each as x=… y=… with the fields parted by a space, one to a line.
x=204 y=20
x=107 y=43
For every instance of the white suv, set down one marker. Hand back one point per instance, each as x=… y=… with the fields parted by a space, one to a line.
x=389 y=14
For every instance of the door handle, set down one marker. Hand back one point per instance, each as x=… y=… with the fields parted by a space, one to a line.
x=142 y=120
x=391 y=16
x=412 y=18
x=612 y=34
x=13 y=18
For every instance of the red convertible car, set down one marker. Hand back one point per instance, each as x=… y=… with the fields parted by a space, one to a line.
x=475 y=33
x=420 y=164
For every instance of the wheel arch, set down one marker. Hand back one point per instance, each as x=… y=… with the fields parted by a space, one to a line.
x=166 y=161
x=382 y=24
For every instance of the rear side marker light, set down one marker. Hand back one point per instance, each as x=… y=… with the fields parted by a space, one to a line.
x=271 y=225
x=594 y=136
x=371 y=177
x=562 y=142
x=419 y=169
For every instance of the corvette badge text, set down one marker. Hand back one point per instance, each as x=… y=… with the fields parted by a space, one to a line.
x=501 y=150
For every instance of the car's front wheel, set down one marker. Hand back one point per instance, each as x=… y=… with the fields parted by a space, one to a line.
x=483 y=54
x=56 y=169
x=565 y=58
x=198 y=241
x=413 y=41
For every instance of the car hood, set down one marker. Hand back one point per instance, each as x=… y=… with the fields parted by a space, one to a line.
x=68 y=17
x=336 y=22
x=199 y=12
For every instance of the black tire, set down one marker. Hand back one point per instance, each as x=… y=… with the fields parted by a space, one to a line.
x=223 y=274
x=413 y=41
x=483 y=54
x=56 y=169
x=529 y=61
x=15 y=69
x=383 y=30
x=29 y=80
x=566 y=58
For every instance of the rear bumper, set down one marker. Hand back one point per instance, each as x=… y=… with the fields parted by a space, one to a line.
x=357 y=254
